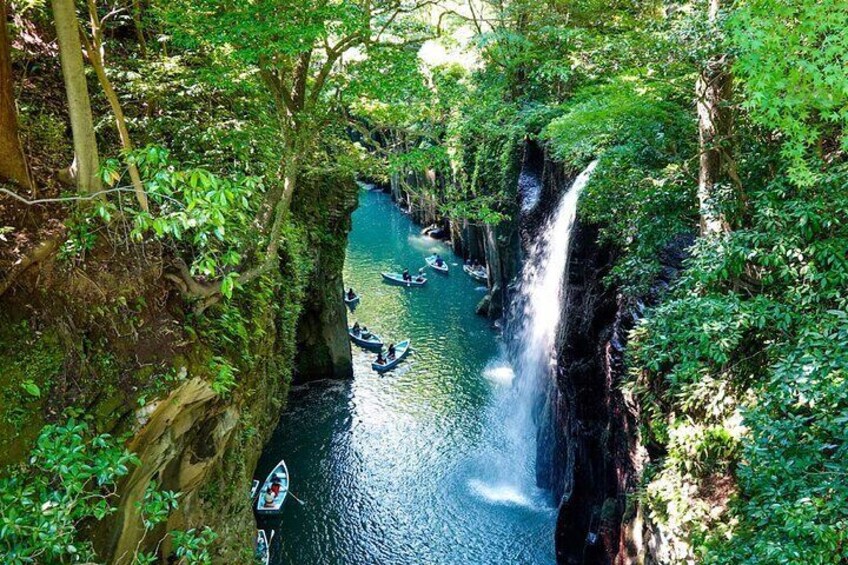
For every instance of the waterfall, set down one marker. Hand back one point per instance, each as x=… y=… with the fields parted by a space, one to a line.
x=508 y=473
x=536 y=313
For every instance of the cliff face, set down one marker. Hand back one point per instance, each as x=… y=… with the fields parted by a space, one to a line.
x=584 y=429
x=590 y=454
x=111 y=340
x=322 y=340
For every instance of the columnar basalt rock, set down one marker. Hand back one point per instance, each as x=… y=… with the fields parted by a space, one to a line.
x=589 y=447
x=322 y=340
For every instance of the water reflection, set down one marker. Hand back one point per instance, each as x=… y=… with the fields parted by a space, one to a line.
x=398 y=469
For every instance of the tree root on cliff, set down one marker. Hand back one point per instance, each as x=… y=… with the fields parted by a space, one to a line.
x=39 y=253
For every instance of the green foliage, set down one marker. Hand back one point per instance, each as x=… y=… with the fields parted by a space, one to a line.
x=487 y=148
x=224 y=375
x=82 y=238
x=71 y=481
x=30 y=362
x=197 y=209
x=31 y=389
x=754 y=335
x=71 y=478
x=641 y=194
x=191 y=547
x=791 y=57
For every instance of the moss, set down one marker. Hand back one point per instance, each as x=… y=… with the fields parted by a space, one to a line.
x=31 y=361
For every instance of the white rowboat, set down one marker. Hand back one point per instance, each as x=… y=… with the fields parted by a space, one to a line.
x=279 y=475
x=443 y=268
x=397 y=278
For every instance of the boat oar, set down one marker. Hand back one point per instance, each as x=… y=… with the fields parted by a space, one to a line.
x=302 y=503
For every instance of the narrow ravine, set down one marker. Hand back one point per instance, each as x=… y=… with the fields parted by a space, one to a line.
x=414 y=466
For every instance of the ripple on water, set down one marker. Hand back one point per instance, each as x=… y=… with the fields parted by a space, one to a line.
x=410 y=467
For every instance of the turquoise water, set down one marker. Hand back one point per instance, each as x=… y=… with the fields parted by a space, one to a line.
x=414 y=466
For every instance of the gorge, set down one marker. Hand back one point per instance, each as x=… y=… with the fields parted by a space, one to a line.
x=637 y=354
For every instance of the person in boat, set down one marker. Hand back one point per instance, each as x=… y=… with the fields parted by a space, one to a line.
x=439 y=261
x=350 y=294
x=276 y=485
x=366 y=333
x=406 y=275
x=380 y=359
x=392 y=352
x=419 y=278
x=269 y=497
x=356 y=328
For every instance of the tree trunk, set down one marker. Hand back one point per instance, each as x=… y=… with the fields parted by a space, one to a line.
x=13 y=164
x=94 y=50
x=139 y=28
x=713 y=89
x=86 y=160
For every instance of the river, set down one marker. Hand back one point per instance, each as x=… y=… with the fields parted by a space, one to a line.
x=416 y=466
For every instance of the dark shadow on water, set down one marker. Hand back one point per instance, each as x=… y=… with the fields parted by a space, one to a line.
x=306 y=416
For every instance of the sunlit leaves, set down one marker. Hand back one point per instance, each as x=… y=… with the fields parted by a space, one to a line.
x=209 y=214
x=792 y=56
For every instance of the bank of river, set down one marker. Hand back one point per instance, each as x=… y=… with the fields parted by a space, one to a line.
x=415 y=466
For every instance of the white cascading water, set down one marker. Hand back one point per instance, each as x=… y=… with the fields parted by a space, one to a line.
x=538 y=306
x=531 y=334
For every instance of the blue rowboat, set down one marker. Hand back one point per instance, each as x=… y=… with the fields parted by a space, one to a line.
x=401 y=350
x=263 y=546
x=371 y=342
x=278 y=475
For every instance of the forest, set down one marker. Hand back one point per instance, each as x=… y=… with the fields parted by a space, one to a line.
x=176 y=187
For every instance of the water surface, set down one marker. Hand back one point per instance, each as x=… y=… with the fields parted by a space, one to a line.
x=414 y=466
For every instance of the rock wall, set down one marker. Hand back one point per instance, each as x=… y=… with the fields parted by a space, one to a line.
x=502 y=252
x=589 y=452
x=415 y=193
x=112 y=339
x=322 y=340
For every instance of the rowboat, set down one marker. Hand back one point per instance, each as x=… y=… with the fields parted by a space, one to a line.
x=397 y=278
x=443 y=268
x=351 y=301
x=479 y=273
x=253 y=488
x=372 y=342
x=263 y=546
x=401 y=349
x=279 y=475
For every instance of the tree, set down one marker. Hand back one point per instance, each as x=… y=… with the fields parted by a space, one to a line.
x=13 y=165
x=86 y=160
x=713 y=90
x=297 y=48
x=790 y=64
x=95 y=50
